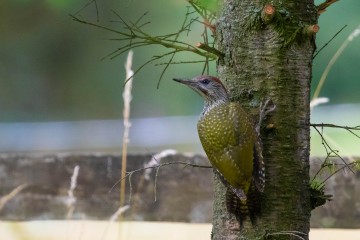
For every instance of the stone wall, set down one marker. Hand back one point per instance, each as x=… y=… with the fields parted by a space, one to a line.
x=183 y=193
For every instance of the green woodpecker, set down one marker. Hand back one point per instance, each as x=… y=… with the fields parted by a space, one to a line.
x=230 y=139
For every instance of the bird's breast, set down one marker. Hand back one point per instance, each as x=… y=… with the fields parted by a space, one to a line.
x=216 y=129
x=224 y=127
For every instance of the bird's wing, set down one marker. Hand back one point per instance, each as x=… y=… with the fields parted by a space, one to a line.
x=246 y=137
x=237 y=167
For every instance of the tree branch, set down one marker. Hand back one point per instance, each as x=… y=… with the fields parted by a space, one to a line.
x=322 y=7
x=334 y=126
x=330 y=151
x=327 y=43
x=136 y=37
x=209 y=49
x=146 y=39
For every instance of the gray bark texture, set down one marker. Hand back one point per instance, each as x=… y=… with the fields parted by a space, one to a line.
x=271 y=60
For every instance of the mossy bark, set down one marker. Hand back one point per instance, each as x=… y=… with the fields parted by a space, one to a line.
x=271 y=60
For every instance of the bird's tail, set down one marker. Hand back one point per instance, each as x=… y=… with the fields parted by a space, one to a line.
x=236 y=206
x=254 y=203
x=241 y=208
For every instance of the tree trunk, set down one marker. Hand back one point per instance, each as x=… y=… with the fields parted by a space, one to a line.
x=269 y=57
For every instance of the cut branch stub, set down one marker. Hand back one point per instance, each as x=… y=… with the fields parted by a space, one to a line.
x=268 y=13
x=209 y=49
x=311 y=29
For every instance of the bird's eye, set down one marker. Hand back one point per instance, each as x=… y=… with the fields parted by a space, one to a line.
x=205 y=81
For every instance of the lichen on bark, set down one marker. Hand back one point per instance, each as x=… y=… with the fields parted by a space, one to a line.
x=263 y=62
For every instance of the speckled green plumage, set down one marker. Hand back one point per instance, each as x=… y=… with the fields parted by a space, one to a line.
x=233 y=146
x=228 y=137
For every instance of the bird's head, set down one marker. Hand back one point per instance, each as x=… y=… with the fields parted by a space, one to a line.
x=209 y=87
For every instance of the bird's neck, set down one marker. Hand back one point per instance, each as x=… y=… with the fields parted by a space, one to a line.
x=211 y=104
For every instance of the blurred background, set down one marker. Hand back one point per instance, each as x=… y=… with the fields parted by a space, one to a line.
x=57 y=94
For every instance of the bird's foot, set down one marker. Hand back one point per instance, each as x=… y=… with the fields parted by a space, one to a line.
x=264 y=111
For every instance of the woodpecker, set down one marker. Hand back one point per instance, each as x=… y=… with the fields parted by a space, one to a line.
x=231 y=141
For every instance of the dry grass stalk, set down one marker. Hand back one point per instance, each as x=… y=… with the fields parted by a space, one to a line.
x=11 y=195
x=127 y=124
x=71 y=198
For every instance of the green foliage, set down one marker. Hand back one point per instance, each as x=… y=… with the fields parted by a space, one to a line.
x=357 y=165
x=317 y=192
x=316 y=184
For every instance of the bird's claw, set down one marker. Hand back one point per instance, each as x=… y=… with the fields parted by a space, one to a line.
x=264 y=112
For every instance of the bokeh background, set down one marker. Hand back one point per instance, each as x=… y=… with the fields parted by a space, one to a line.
x=57 y=94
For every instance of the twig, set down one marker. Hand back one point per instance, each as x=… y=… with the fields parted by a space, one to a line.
x=173 y=55
x=338 y=170
x=210 y=26
x=327 y=147
x=130 y=187
x=154 y=58
x=88 y=4
x=350 y=131
x=155 y=184
x=208 y=16
x=99 y=26
x=150 y=166
x=329 y=125
x=136 y=37
x=149 y=40
x=156 y=160
x=181 y=62
x=141 y=17
x=124 y=49
x=321 y=8
x=337 y=33
x=156 y=166
x=323 y=165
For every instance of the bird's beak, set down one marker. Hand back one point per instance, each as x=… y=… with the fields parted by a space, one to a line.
x=193 y=84
x=183 y=81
